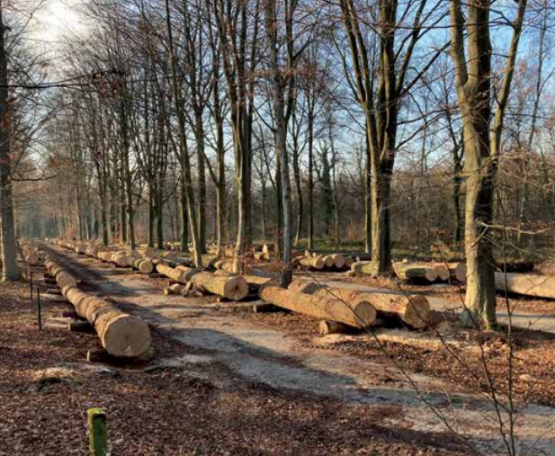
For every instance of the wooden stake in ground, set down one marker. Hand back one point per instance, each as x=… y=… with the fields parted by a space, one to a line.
x=98 y=433
x=414 y=310
x=358 y=315
x=234 y=288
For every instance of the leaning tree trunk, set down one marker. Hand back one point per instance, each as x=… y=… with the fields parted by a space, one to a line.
x=10 y=270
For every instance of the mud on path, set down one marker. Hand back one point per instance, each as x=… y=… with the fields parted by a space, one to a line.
x=218 y=336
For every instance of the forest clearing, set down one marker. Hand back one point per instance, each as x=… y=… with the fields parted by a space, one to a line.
x=277 y=227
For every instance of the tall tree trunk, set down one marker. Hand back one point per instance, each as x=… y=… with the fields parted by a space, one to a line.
x=482 y=147
x=280 y=127
x=201 y=169
x=10 y=270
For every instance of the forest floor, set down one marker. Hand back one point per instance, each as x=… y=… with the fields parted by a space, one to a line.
x=228 y=381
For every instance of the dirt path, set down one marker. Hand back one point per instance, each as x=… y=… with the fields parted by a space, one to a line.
x=263 y=355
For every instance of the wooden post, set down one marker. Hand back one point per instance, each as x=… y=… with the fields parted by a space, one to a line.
x=98 y=434
x=30 y=286
x=39 y=310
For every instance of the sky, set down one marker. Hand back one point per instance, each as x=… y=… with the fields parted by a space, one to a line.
x=55 y=20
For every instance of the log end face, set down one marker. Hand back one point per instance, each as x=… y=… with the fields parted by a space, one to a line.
x=126 y=337
x=236 y=289
x=418 y=313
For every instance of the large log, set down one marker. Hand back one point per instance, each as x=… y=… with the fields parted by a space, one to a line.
x=121 y=334
x=358 y=314
x=414 y=310
x=234 y=288
x=536 y=285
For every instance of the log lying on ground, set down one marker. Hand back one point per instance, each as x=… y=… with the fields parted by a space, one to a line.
x=358 y=314
x=457 y=271
x=415 y=271
x=121 y=334
x=360 y=268
x=253 y=281
x=63 y=278
x=332 y=327
x=338 y=260
x=443 y=272
x=312 y=262
x=536 y=285
x=143 y=266
x=175 y=289
x=181 y=275
x=414 y=310
x=234 y=288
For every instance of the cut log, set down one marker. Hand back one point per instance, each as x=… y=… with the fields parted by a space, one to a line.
x=121 y=334
x=175 y=289
x=443 y=272
x=415 y=271
x=414 y=310
x=143 y=266
x=234 y=288
x=332 y=327
x=360 y=268
x=63 y=279
x=536 y=285
x=181 y=275
x=458 y=271
x=358 y=314
x=312 y=262
x=328 y=261
x=338 y=260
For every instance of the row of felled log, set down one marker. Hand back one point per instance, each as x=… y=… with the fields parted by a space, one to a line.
x=419 y=272
x=30 y=254
x=234 y=288
x=121 y=258
x=349 y=307
x=122 y=335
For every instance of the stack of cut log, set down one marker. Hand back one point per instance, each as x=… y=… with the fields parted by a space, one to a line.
x=231 y=287
x=122 y=335
x=341 y=308
x=414 y=272
x=330 y=262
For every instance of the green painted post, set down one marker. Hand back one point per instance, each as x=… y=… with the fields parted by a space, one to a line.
x=98 y=434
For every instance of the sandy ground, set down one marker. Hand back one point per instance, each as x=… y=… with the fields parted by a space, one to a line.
x=261 y=354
